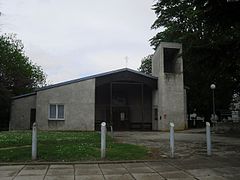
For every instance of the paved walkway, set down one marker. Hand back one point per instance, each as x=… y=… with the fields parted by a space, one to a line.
x=188 y=143
x=204 y=168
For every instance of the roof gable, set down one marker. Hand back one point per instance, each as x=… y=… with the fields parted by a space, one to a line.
x=127 y=77
x=97 y=76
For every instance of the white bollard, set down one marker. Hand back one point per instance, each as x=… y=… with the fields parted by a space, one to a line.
x=208 y=136
x=103 y=139
x=34 y=141
x=172 y=140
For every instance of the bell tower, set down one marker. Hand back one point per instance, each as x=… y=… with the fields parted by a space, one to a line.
x=168 y=100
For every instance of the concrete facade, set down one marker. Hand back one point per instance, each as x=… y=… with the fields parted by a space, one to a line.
x=169 y=98
x=90 y=100
x=79 y=106
x=20 y=112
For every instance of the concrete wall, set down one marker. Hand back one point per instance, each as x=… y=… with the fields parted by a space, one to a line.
x=79 y=106
x=170 y=94
x=20 y=112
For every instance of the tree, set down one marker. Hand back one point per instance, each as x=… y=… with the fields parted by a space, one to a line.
x=210 y=34
x=18 y=74
x=146 y=64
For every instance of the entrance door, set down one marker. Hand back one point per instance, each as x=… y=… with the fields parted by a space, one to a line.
x=121 y=118
x=32 y=117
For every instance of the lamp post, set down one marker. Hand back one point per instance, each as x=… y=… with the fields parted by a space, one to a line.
x=213 y=87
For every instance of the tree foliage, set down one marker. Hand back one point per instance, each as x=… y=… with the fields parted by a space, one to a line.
x=18 y=74
x=146 y=65
x=210 y=33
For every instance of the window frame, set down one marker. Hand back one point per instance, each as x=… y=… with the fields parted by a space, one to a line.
x=57 y=118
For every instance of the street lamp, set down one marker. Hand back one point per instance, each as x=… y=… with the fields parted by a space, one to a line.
x=213 y=87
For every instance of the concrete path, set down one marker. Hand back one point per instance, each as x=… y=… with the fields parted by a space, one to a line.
x=204 y=168
x=188 y=143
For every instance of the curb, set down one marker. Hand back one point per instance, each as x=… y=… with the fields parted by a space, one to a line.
x=78 y=162
x=165 y=159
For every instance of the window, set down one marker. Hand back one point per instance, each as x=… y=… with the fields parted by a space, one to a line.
x=122 y=116
x=56 y=112
x=171 y=64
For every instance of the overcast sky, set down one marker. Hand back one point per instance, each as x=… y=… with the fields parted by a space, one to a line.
x=75 y=38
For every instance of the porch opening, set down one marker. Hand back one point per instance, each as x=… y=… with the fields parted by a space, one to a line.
x=124 y=105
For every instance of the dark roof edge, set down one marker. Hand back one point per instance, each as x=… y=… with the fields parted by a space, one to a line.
x=141 y=73
x=94 y=76
x=24 y=95
x=186 y=87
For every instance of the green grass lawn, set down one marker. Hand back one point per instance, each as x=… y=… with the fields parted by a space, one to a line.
x=15 y=146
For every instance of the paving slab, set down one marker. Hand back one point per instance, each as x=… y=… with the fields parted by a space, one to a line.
x=147 y=176
x=8 y=173
x=32 y=172
x=61 y=166
x=85 y=166
x=6 y=178
x=10 y=168
x=56 y=172
x=175 y=174
x=140 y=170
x=29 y=178
x=59 y=177
x=203 y=172
x=164 y=168
x=119 y=177
x=189 y=178
x=173 y=169
x=153 y=164
x=107 y=166
x=212 y=178
x=134 y=165
x=35 y=167
x=90 y=177
x=111 y=171
x=89 y=171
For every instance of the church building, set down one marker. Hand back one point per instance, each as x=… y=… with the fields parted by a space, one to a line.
x=125 y=99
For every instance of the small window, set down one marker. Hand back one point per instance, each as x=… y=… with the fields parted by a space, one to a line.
x=53 y=110
x=56 y=112
x=60 y=111
x=122 y=116
x=171 y=64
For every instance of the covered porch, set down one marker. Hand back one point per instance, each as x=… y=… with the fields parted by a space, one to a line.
x=124 y=101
